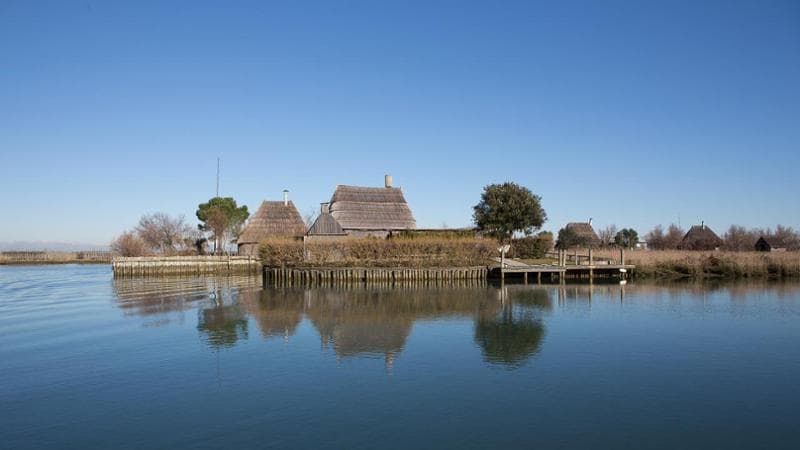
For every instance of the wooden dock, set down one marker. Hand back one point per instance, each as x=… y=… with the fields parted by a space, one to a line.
x=583 y=267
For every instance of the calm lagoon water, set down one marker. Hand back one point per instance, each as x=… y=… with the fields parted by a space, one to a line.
x=91 y=362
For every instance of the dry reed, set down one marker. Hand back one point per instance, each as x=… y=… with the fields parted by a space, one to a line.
x=711 y=264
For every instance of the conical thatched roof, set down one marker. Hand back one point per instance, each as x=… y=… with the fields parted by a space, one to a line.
x=325 y=225
x=585 y=232
x=369 y=208
x=700 y=237
x=273 y=219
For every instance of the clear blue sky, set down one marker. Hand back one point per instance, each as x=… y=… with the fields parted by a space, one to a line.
x=631 y=112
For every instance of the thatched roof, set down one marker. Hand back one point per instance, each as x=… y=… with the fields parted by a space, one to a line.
x=700 y=237
x=770 y=242
x=273 y=219
x=325 y=225
x=369 y=208
x=584 y=231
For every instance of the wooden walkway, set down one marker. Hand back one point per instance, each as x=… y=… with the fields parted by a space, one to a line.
x=586 y=269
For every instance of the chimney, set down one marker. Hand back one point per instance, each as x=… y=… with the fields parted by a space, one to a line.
x=323 y=208
x=285 y=197
x=703 y=224
x=590 y=221
x=387 y=179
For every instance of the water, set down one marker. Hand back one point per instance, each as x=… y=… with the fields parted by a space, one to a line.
x=90 y=362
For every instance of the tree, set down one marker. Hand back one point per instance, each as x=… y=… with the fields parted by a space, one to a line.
x=532 y=247
x=607 y=235
x=674 y=237
x=128 y=244
x=222 y=217
x=655 y=238
x=162 y=233
x=787 y=236
x=568 y=238
x=627 y=238
x=508 y=208
x=739 y=239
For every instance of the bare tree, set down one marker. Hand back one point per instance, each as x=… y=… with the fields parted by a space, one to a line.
x=739 y=239
x=310 y=216
x=674 y=237
x=607 y=235
x=162 y=233
x=128 y=244
x=655 y=238
x=787 y=236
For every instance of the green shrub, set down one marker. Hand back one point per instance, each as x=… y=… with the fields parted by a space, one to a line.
x=532 y=247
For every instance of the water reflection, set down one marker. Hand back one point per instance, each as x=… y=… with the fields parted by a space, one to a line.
x=353 y=322
x=376 y=322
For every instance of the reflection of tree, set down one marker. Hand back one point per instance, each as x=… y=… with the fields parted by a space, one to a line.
x=223 y=325
x=515 y=333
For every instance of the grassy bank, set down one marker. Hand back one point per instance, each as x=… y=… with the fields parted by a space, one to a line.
x=417 y=252
x=676 y=264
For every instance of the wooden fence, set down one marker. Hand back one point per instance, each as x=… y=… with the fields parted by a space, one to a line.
x=332 y=276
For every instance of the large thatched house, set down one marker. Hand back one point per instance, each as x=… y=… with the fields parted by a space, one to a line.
x=364 y=211
x=700 y=237
x=273 y=219
x=584 y=232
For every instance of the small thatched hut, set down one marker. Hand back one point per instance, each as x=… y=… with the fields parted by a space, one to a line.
x=371 y=211
x=765 y=244
x=325 y=226
x=700 y=237
x=584 y=232
x=273 y=219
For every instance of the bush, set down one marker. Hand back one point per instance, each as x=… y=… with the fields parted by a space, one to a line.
x=375 y=252
x=532 y=247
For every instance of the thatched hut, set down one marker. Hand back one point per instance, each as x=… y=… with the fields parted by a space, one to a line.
x=584 y=233
x=769 y=244
x=325 y=226
x=273 y=219
x=700 y=237
x=371 y=211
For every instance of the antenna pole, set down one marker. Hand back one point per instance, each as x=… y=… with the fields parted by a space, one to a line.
x=217 y=176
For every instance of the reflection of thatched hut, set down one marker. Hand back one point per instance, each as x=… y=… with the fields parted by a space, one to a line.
x=277 y=313
x=584 y=233
x=273 y=219
x=700 y=237
x=765 y=244
x=361 y=211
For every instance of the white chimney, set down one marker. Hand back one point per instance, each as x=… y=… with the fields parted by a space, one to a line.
x=323 y=208
x=590 y=221
x=285 y=197
x=703 y=224
x=387 y=180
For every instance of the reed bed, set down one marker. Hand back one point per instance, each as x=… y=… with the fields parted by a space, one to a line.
x=714 y=264
x=417 y=252
x=51 y=257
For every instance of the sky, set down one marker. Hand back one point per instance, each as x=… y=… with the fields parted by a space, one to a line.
x=632 y=113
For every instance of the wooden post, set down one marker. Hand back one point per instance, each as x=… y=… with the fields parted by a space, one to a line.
x=622 y=256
